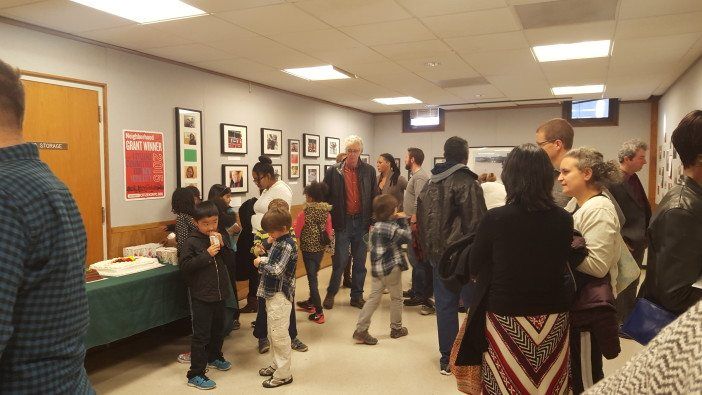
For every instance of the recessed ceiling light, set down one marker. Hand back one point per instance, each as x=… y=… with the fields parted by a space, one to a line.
x=577 y=90
x=478 y=96
x=320 y=73
x=392 y=101
x=145 y=11
x=432 y=64
x=581 y=50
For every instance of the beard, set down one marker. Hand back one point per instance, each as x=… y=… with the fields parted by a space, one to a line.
x=408 y=166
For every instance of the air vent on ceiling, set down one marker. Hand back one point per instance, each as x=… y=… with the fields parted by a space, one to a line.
x=565 y=12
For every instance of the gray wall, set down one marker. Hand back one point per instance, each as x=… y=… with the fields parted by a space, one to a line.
x=142 y=94
x=511 y=127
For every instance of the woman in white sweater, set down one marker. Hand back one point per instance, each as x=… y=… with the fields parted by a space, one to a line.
x=264 y=177
x=594 y=327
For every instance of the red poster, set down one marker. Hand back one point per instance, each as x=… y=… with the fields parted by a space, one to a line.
x=144 y=176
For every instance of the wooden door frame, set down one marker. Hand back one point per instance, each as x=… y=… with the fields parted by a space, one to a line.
x=101 y=89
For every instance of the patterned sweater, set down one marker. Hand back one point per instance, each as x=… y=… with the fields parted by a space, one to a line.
x=315 y=218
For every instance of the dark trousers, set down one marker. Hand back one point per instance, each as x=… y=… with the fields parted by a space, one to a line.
x=585 y=360
x=351 y=235
x=422 y=276
x=253 y=284
x=627 y=298
x=312 y=261
x=446 y=302
x=208 y=328
x=261 y=327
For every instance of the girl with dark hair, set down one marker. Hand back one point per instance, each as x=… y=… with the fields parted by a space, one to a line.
x=519 y=258
x=390 y=182
x=182 y=205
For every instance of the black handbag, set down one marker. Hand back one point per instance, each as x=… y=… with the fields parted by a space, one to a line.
x=646 y=320
x=323 y=236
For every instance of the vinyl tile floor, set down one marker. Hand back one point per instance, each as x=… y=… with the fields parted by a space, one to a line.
x=334 y=364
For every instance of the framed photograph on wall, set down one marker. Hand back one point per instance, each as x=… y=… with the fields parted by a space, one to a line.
x=312 y=174
x=271 y=142
x=293 y=158
x=278 y=170
x=332 y=147
x=488 y=159
x=234 y=139
x=236 y=177
x=397 y=162
x=439 y=159
x=365 y=158
x=310 y=145
x=189 y=147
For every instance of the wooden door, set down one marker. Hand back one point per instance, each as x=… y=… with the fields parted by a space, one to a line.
x=61 y=114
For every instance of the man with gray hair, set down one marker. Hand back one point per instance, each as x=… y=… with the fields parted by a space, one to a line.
x=631 y=197
x=352 y=187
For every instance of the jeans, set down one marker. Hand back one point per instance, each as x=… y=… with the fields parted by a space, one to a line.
x=393 y=282
x=351 y=235
x=208 y=327
x=312 y=261
x=261 y=327
x=278 y=308
x=446 y=304
x=422 y=276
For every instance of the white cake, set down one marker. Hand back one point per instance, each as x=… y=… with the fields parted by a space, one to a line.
x=117 y=267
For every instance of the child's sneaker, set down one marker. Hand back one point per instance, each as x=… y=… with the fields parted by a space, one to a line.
x=202 y=382
x=297 y=345
x=220 y=364
x=305 y=305
x=395 y=333
x=184 y=357
x=317 y=317
x=267 y=371
x=364 y=338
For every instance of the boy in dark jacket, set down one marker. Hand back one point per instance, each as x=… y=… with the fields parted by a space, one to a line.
x=207 y=279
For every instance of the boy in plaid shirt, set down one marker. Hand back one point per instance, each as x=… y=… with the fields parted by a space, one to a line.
x=385 y=241
x=277 y=287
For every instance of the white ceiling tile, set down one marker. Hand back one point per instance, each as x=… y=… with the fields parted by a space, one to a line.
x=317 y=40
x=403 y=82
x=496 y=105
x=626 y=88
x=275 y=19
x=214 y=6
x=576 y=72
x=502 y=62
x=450 y=66
x=660 y=25
x=672 y=74
x=653 y=54
x=473 y=23
x=137 y=37
x=436 y=97
x=522 y=86
x=389 y=32
x=489 y=42
x=350 y=13
x=268 y=52
x=374 y=69
x=235 y=67
x=422 y=8
x=571 y=33
x=65 y=16
x=204 y=29
x=15 y=3
x=520 y=2
x=644 y=8
x=461 y=107
x=476 y=92
x=349 y=56
x=361 y=88
x=190 y=53
x=413 y=50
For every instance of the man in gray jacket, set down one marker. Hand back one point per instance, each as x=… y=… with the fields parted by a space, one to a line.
x=449 y=207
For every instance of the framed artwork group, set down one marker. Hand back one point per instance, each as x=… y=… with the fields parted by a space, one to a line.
x=293 y=158
x=189 y=147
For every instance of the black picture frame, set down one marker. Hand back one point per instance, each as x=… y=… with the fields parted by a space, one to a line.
x=439 y=159
x=308 y=174
x=270 y=147
x=189 y=123
x=397 y=162
x=226 y=140
x=365 y=158
x=294 y=168
x=226 y=179
x=332 y=147
x=278 y=169
x=310 y=145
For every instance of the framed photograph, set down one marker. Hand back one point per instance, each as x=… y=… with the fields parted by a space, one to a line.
x=439 y=159
x=333 y=147
x=312 y=174
x=234 y=139
x=293 y=158
x=271 y=142
x=310 y=145
x=397 y=162
x=236 y=177
x=278 y=170
x=189 y=147
x=365 y=158
x=488 y=159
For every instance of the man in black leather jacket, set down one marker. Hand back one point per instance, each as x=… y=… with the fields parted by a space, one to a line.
x=675 y=234
x=449 y=207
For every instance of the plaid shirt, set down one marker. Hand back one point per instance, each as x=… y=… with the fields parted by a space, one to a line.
x=278 y=269
x=386 y=239
x=43 y=305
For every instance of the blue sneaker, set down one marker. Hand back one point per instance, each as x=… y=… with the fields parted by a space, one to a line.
x=220 y=364
x=202 y=382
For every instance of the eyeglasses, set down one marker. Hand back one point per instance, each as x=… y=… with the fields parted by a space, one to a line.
x=257 y=180
x=541 y=144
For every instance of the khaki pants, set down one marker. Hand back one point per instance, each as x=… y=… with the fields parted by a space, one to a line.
x=278 y=311
x=393 y=282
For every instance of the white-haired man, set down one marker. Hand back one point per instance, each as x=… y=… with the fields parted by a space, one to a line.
x=352 y=187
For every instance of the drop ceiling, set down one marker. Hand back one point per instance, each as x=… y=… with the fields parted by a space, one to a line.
x=389 y=45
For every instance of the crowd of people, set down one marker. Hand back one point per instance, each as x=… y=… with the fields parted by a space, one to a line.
x=538 y=261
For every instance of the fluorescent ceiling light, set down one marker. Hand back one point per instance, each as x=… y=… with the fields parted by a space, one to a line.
x=391 y=101
x=577 y=90
x=320 y=73
x=581 y=50
x=145 y=11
